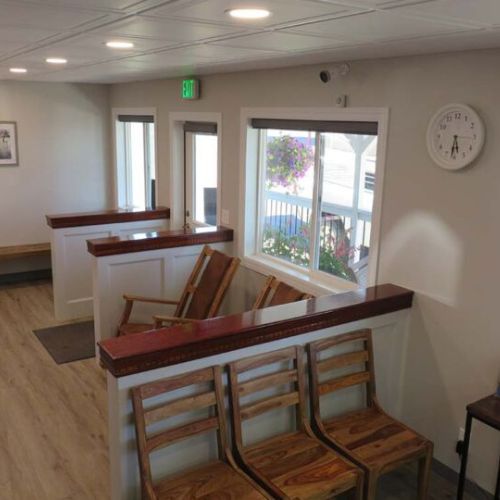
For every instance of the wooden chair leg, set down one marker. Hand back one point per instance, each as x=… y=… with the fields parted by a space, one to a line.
x=359 y=492
x=371 y=481
x=424 y=474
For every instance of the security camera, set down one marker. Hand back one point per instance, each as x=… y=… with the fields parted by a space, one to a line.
x=341 y=69
x=325 y=76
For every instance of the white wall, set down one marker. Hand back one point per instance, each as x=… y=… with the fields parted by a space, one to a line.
x=440 y=229
x=64 y=146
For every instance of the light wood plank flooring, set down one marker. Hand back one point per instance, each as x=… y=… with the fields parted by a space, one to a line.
x=53 y=418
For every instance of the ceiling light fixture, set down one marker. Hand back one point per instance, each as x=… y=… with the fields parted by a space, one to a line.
x=18 y=70
x=116 y=44
x=248 y=13
x=56 y=60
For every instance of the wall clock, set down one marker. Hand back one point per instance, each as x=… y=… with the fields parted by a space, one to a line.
x=455 y=136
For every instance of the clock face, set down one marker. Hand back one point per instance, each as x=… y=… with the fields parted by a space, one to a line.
x=455 y=136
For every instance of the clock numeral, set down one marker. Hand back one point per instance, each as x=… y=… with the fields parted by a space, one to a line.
x=448 y=118
x=472 y=124
x=458 y=116
x=463 y=155
x=466 y=118
x=442 y=127
x=470 y=147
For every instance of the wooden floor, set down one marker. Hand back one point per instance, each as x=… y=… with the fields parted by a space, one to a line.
x=402 y=485
x=53 y=418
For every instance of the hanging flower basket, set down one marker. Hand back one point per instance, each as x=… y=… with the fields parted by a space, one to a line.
x=288 y=160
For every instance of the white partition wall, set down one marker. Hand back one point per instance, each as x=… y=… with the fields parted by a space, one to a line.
x=390 y=337
x=72 y=267
x=154 y=273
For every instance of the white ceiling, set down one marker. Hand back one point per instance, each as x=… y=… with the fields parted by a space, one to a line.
x=185 y=37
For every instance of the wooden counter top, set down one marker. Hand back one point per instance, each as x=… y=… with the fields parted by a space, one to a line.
x=170 y=346
x=141 y=242
x=106 y=217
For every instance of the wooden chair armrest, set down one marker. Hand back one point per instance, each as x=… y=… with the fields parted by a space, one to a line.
x=159 y=320
x=153 y=300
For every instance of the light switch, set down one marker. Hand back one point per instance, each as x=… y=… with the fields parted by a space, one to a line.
x=224 y=216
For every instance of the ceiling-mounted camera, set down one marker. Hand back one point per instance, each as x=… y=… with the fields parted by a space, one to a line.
x=336 y=71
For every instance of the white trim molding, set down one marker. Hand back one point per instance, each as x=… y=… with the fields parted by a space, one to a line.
x=118 y=182
x=249 y=190
x=176 y=138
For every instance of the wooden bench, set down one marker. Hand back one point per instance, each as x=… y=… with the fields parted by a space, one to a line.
x=19 y=251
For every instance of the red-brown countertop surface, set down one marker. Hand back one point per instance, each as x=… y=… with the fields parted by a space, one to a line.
x=106 y=217
x=141 y=242
x=169 y=346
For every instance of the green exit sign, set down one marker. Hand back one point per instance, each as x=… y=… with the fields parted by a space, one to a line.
x=190 y=88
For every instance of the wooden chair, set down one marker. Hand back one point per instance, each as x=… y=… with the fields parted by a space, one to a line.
x=276 y=293
x=201 y=298
x=369 y=437
x=218 y=479
x=294 y=465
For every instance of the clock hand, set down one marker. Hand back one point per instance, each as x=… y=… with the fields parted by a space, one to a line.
x=454 y=147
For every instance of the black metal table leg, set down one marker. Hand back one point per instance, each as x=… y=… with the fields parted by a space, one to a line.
x=465 y=453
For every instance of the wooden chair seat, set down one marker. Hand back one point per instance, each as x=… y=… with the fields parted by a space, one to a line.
x=218 y=478
x=214 y=481
x=301 y=466
x=294 y=465
x=376 y=439
x=368 y=436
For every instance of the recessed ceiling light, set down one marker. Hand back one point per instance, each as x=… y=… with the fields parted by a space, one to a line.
x=56 y=60
x=117 y=44
x=248 y=13
x=18 y=70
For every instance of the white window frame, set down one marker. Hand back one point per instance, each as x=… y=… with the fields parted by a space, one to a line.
x=120 y=185
x=313 y=281
x=176 y=136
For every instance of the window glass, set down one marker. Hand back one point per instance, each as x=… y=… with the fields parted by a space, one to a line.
x=135 y=163
x=346 y=205
x=205 y=179
x=317 y=198
x=288 y=194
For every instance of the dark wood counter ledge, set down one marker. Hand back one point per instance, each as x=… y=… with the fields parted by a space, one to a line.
x=169 y=346
x=106 y=217
x=141 y=242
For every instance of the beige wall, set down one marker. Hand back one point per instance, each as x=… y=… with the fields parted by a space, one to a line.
x=440 y=229
x=63 y=132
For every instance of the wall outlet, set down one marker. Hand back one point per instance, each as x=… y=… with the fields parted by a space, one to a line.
x=461 y=433
x=224 y=216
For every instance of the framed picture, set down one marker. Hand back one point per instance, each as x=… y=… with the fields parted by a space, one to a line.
x=8 y=144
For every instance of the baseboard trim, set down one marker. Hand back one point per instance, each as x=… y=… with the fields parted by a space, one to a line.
x=450 y=475
x=12 y=278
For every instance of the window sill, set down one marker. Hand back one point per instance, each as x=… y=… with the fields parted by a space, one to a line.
x=313 y=283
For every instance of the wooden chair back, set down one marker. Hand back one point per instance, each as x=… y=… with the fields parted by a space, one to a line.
x=207 y=285
x=276 y=293
x=357 y=356
x=206 y=399
x=293 y=377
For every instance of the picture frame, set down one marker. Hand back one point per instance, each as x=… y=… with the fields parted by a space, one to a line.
x=9 y=153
